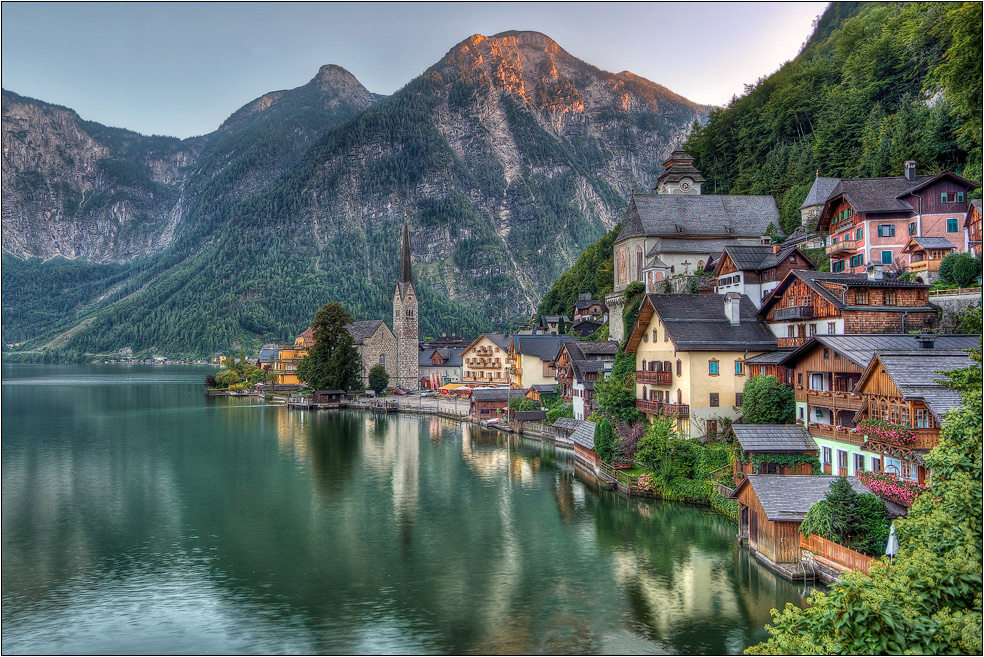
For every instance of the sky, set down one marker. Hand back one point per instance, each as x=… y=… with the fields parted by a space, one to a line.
x=180 y=69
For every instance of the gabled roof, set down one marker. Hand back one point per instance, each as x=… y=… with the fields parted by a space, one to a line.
x=861 y=348
x=587 y=303
x=584 y=434
x=660 y=215
x=915 y=243
x=361 y=331
x=819 y=191
x=495 y=394
x=544 y=347
x=787 y=498
x=500 y=340
x=591 y=350
x=451 y=356
x=696 y=322
x=915 y=374
x=586 y=327
x=681 y=244
x=582 y=368
x=547 y=388
x=760 y=258
x=813 y=280
x=773 y=438
x=568 y=423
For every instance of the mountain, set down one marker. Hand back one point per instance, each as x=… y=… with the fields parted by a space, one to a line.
x=508 y=157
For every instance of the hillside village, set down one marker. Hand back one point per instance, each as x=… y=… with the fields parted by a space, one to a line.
x=709 y=297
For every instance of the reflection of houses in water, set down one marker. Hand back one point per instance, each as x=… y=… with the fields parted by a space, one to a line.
x=292 y=434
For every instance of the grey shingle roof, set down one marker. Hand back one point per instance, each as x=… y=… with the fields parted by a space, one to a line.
x=586 y=327
x=530 y=416
x=567 y=423
x=548 y=388
x=774 y=438
x=768 y=358
x=496 y=394
x=584 y=434
x=860 y=349
x=592 y=350
x=915 y=375
x=698 y=215
x=500 y=340
x=933 y=242
x=362 y=330
x=544 y=347
x=873 y=195
x=712 y=246
x=789 y=497
x=451 y=356
x=696 y=322
x=820 y=191
x=814 y=278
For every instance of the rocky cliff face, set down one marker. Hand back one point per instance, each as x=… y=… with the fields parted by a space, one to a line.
x=77 y=189
x=509 y=157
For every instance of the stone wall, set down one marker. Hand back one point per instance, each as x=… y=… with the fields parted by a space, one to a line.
x=616 y=304
x=952 y=306
x=381 y=343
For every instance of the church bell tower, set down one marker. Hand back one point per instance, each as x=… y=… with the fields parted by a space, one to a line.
x=405 y=321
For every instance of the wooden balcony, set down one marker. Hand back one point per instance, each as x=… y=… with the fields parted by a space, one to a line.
x=847 y=246
x=654 y=378
x=793 y=312
x=840 y=434
x=828 y=399
x=791 y=343
x=925 y=265
x=926 y=439
x=662 y=408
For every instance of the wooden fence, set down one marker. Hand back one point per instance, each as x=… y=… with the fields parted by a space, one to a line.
x=838 y=554
x=956 y=292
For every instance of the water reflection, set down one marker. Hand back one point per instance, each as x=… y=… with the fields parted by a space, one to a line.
x=326 y=532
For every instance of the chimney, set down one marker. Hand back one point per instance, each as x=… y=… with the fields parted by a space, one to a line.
x=926 y=340
x=732 y=302
x=910 y=170
x=776 y=248
x=875 y=272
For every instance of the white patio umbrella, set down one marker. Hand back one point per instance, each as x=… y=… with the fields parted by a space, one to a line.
x=893 y=544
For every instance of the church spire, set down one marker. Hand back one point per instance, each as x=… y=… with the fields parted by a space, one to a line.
x=406 y=273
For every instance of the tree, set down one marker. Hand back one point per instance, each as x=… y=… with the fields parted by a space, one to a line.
x=615 y=393
x=929 y=600
x=379 y=378
x=521 y=403
x=766 y=401
x=333 y=362
x=960 y=269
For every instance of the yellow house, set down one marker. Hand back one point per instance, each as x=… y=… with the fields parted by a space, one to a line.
x=533 y=359
x=690 y=357
x=285 y=366
x=486 y=360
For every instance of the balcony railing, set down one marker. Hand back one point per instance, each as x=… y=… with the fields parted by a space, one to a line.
x=842 y=247
x=790 y=343
x=662 y=408
x=840 y=434
x=658 y=378
x=794 y=312
x=829 y=399
x=925 y=265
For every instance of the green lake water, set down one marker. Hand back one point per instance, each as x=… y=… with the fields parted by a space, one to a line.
x=141 y=517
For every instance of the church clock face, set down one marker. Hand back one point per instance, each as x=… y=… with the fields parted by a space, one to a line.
x=685 y=184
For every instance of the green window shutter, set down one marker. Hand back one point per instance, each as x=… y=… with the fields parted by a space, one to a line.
x=943 y=197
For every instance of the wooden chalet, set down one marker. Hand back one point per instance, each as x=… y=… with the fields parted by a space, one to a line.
x=587 y=308
x=537 y=390
x=761 y=440
x=328 y=398
x=771 y=509
x=809 y=303
x=579 y=364
x=973 y=227
x=925 y=255
x=900 y=388
x=825 y=372
x=490 y=403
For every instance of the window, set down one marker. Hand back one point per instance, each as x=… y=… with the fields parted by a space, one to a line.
x=837 y=266
x=827 y=456
x=738 y=399
x=859 y=233
x=826 y=353
x=712 y=368
x=886 y=230
x=666 y=336
x=801 y=412
x=858 y=463
x=831 y=328
x=645 y=337
x=654 y=335
x=382 y=359
x=889 y=297
x=861 y=297
x=790 y=331
x=912 y=228
x=924 y=420
x=951 y=225
x=943 y=197
x=679 y=368
x=960 y=197
x=714 y=399
x=799 y=378
x=875 y=465
x=792 y=258
x=739 y=368
x=887 y=257
x=841 y=459
x=813 y=330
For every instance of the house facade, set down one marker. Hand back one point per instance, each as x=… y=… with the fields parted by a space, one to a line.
x=439 y=366
x=809 y=303
x=869 y=220
x=533 y=359
x=486 y=360
x=973 y=227
x=756 y=270
x=690 y=352
x=579 y=366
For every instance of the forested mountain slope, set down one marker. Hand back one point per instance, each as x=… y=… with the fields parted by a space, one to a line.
x=508 y=157
x=877 y=84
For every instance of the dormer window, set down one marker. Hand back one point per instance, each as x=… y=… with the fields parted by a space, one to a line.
x=679 y=228
x=729 y=230
x=766 y=240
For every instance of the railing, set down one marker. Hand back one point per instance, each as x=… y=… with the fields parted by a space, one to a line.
x=662 y=408
x=925 y=439
x=953 y=293
x=663 y=378
x=794 y=312
x=846 y=245
x=924 y=265
x=840 y=434
x=830 y=399
x=790 y=343
x=839 y=554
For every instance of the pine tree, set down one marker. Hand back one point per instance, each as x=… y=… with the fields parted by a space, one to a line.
x=333 y=362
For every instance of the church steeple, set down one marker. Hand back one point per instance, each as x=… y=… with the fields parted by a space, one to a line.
x=406 y=273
